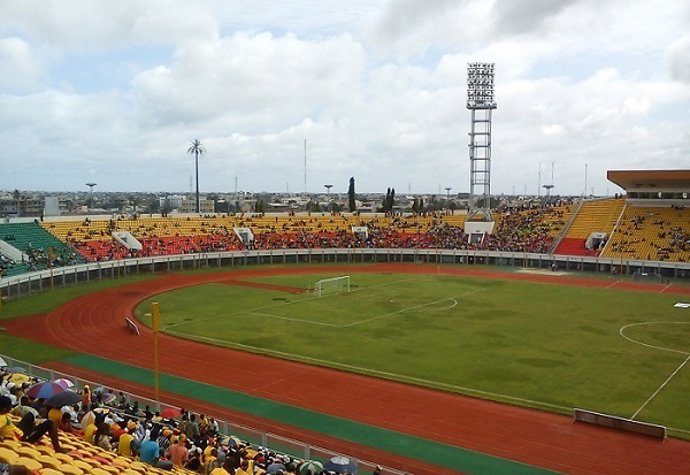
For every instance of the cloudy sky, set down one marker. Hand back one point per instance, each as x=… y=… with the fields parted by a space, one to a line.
x=113 y=91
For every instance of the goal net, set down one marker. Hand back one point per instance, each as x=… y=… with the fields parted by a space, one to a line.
x=332 y=286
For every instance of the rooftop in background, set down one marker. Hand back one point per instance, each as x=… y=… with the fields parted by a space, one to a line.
x=650 y=179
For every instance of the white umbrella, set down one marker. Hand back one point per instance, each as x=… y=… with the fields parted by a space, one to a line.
x=2 y=362
x=64 y=382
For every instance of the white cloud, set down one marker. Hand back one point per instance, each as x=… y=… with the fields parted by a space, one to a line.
x=22 y=70
x=378 y=91
x=679 y=59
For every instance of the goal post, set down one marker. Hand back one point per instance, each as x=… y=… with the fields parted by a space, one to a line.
x=332 y=286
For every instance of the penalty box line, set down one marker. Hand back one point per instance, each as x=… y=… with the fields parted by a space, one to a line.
x=366 y=320
x=663 y=385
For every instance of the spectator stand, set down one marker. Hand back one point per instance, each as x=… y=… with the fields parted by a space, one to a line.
x=254 y=439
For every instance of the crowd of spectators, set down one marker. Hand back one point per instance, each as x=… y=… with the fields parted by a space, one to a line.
x=663 y=238
x=113 y=423
x=518 y=229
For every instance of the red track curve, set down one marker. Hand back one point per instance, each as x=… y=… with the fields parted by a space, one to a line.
x=94 y=324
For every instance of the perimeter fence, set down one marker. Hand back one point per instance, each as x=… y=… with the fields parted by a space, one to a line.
x=26 y=284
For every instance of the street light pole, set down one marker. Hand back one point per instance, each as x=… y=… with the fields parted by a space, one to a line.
x=328 y=187
x=91 y=185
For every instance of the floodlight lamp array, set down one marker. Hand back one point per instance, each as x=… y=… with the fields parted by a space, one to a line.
x=480 y=86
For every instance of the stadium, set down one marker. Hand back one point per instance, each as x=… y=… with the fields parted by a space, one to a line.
x=232 y=310
x=395 y=340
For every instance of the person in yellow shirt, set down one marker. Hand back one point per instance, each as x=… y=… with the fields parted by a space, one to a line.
x=89 y=431
x=226 y=469
x=55 y=415
x=246 y=468
x=128 y=445
x=26 y=430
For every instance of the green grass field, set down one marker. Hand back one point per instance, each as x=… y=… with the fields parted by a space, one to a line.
x=547 y=346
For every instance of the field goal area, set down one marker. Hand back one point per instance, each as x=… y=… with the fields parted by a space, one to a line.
x=333 y=285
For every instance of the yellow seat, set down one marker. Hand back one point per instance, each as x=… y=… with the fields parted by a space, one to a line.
x=10 y=444
x=80 y=464
x=31 y=464
x=138 y=466
x=121 y=462
x=63 y=458
x=44 y=449
x=92 y=462
x=71 y=470
x=49 y=471
x=49 y=462
x=99 y=471
x=28 y=452
x=111 y=469
x=7 y=455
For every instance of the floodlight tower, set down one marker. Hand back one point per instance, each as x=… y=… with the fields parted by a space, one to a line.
x=480 y=102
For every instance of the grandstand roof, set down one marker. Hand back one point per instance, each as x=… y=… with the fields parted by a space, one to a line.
x=646 y=179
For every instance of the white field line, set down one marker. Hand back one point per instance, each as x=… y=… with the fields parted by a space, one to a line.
x=667 y=286
x=660 y=348
x=613 y=283
x=414 y=307
x=257 y=310
x=385 y=374
x=299 y=320
x=333 y=325
x=660 y=387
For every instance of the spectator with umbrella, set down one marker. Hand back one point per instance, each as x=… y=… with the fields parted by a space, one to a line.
x=341 y=464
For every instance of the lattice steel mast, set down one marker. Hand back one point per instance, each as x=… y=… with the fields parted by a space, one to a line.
x=480 y=102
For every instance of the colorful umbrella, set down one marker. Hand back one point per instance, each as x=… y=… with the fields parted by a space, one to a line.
x=340 y=464
x=64 y=382
x=19 y=379
x=44 y=390
x=275 y=468
x=170 y=413
x=310 y=467
x=231 y=441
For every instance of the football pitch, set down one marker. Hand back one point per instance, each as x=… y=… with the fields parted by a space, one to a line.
x=548 y=346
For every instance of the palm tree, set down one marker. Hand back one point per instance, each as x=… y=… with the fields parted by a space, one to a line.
x=197 y=149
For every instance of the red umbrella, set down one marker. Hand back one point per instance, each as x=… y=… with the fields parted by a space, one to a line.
x=170 y=413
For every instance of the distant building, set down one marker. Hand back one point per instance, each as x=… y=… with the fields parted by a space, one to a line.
x=205 y=206
x=22 y=206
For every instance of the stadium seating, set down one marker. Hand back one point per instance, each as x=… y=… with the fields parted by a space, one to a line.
x=42 y=248
x=651 y=233
x=593 y=216
x=517 y=230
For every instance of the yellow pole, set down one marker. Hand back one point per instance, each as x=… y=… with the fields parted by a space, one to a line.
x=155 y=319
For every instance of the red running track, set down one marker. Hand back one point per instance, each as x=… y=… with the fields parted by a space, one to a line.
x=94 y=324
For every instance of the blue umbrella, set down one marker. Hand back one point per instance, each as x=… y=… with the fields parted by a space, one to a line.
x=340 y=464
x=44 y=390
